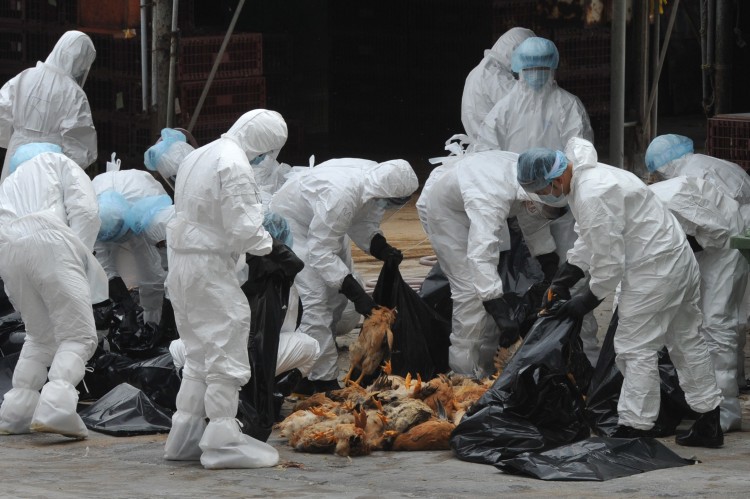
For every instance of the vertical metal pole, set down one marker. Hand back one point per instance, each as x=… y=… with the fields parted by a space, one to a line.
x=161 y=21
x=723 y=58
x=172 y=65
x=617 y=86
x=656 y=71
x=643 y=51
x=144 y=55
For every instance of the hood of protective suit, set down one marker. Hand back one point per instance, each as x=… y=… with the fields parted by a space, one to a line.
x=391 y=179
x=259 y=131
x=506 y=44
x=581 y=153
x=74 y=53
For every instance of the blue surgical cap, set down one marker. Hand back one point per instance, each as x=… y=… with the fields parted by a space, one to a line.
x=141 y=214
x=278 y=227
x=28 y=151
x=112 y=209
x=537 y=168
x=666 y=148
x=153 y=154
x=535 y=52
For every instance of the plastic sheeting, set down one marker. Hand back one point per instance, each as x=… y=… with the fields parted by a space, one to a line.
x=126 y=411
x=535 y=404
x=595 y=459
x=420 y=334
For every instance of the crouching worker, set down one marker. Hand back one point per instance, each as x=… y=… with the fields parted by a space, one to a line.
x=48 y=225
x=218 y=219
x=628 y=237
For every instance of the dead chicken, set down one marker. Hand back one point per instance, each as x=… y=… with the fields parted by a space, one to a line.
x=438 y=392
x=503 y=356
x=433 y=434
x=298 y=420
x=373 y=344
x=319 y=437
x=351 y=438
x=315 y=400
x=405 y=413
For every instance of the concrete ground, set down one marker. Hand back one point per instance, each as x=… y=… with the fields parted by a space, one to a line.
x=43 y=466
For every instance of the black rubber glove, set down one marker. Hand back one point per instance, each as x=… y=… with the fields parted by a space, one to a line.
x=694 y=244
x=380 y=249
x=288 y=261
x=549 y=263
x=363 y=304
x=580 y=305
x=500 y=311
x=567 y=275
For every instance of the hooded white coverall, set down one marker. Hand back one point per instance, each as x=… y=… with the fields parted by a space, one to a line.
x=337 y=198
x=734 y=182
x=47 y=104
x=627 y=236
x=712 y=218
x=527 y=118
x=150 y=275
x=490 y=80
x=218 y=219
x=467 y=210
x=48 y=225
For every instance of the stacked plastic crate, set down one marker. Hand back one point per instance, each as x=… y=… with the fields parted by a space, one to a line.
x=729 y=138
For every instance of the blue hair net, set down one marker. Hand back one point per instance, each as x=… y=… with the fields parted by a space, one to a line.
x=28 y=151
x=666 y=148
x=140 y=216
x=535 y=52
x=278 y=227
x=538 y=166
x=153 y=154
x=112 y=209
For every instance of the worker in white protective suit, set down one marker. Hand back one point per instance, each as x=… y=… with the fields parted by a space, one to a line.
x=491 y=80
x=218 y=220
x=467 y=211
x=672 y=155
x=709 y=218
x=336 y=199
x=48 y=225
x=536 y=108
x=136 y=230
x=47 y=103
x=628 y=237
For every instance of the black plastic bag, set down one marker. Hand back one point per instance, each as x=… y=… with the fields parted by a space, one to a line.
x=421 y=337
x=595 y=459
x=6 y=307
x=267 y=291
x=534 y=405
x=126 y=411
x=12 y=333
x=7 y=366
x=606 y=384
x=435 y=292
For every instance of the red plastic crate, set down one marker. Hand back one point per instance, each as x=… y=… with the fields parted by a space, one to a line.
x=583 y=48
x=40 y=42
x=243 y=56
x=206 y=131
x=591 y=86
x=227 y=100
x=729 y=138
x=127 y=56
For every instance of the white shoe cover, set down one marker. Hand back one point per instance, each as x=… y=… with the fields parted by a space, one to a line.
x=56 y=411
x=17 y=411
x=183 y=439
x=225 y=446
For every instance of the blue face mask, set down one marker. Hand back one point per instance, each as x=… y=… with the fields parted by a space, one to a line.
x=536 y=78
x=258 y=160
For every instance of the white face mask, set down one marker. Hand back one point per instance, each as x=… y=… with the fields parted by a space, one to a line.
x=560 y=201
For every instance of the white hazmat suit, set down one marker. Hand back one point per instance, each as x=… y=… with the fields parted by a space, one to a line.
x=628 y=237
x=466 y=211
x=48 y=225
x=491 y=80
x=712 y=218
x=47 y=104
x=218 y=219
x=336 y=199
x=135 y=185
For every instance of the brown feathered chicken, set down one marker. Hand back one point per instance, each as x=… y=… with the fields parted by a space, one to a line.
x=503 y=356
x=434 y=434
x=351 y=439
x=373 y=344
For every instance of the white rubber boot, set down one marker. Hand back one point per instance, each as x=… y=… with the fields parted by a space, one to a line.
x=21 y=400
x=188 y=423
x=223 y=444
x=56 y=411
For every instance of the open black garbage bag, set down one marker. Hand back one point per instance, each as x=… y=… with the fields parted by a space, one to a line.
x=126 y=411
x=606 y=384
x=7 y=366
x=535 y=404
x=435 y=292
x=267 y=291
x=595 y=459
x=12 y=333
x=421 y=336
x=6 y=307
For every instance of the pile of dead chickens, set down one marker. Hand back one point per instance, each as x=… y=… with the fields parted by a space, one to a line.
x=393 y=413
